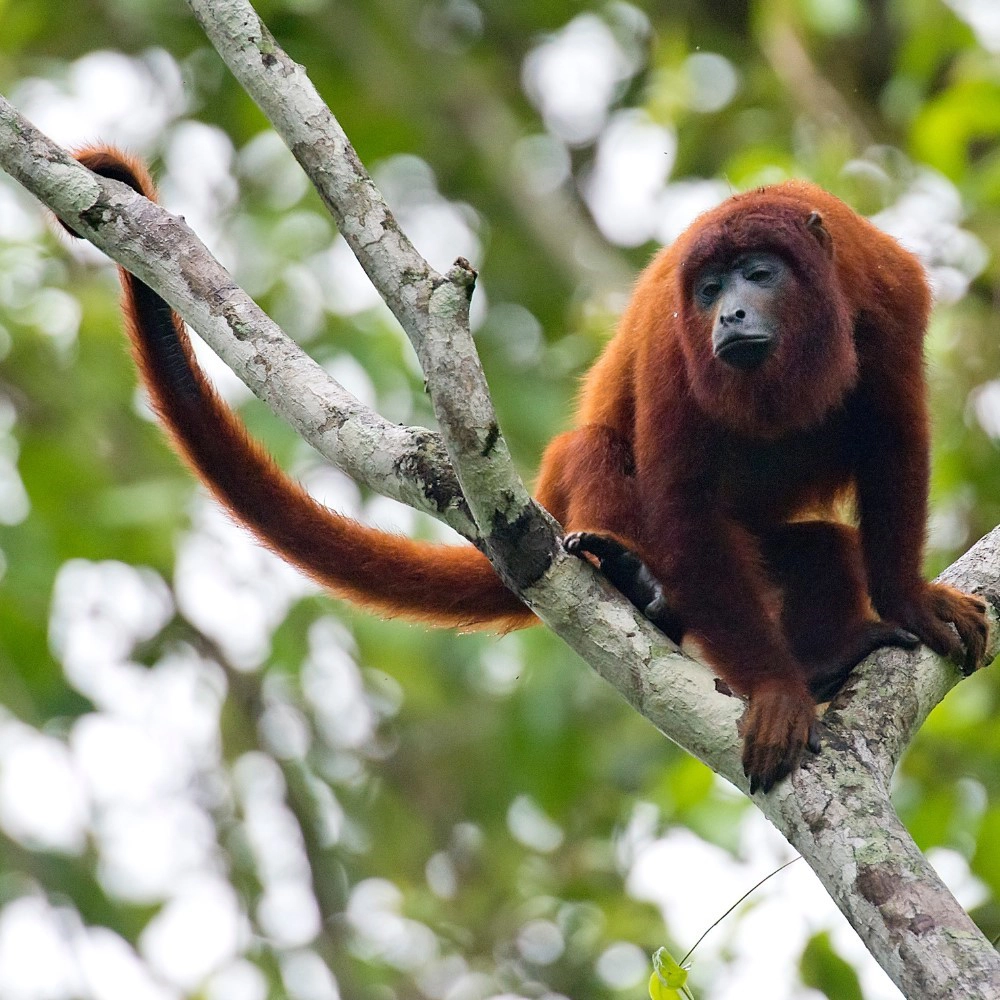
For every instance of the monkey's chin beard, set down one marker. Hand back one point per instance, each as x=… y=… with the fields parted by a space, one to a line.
x=766 y=402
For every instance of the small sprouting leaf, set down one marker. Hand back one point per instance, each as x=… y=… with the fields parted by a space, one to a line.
x=669 y=969
x=669 y=978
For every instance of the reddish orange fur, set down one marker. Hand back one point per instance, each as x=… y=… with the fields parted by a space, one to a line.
x=701 y=468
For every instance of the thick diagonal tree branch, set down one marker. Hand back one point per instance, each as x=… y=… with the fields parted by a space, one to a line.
x=835 y=810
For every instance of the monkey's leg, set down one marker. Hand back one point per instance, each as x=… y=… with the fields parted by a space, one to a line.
x=825 y=611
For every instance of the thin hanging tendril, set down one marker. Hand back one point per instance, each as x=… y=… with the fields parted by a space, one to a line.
x=716 y=923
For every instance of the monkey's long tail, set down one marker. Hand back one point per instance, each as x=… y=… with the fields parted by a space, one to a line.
x=442 y=584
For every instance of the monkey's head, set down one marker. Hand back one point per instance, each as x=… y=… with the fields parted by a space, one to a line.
x=765 y=327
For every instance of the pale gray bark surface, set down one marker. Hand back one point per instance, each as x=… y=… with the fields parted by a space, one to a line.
x=836 y=810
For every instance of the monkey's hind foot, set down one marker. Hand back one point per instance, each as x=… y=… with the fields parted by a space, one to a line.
x=827 y=677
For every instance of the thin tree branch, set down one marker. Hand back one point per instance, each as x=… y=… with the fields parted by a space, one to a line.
x=283 y=91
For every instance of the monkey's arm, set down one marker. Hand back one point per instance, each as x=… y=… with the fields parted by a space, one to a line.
x=587 y=482
x=710 y=570
x=712 y=578
x=892 y=487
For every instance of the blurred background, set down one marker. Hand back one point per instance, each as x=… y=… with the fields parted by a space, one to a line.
x=215 y=782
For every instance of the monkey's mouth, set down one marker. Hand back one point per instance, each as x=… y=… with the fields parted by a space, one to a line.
x=744 y=350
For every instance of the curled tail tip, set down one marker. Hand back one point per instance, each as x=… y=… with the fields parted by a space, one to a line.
x=118 y=165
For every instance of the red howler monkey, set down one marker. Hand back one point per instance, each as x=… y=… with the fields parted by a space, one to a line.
x=768 y=365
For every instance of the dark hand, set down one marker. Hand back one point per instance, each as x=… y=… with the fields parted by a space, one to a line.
x=628 y=574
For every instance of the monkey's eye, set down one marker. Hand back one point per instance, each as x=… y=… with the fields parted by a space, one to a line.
x=708 y=290
x=758 y=274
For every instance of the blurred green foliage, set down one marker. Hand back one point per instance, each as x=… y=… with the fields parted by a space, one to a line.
x=865 y=96
x=823 y=969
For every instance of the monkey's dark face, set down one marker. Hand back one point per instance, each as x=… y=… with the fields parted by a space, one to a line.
x=744 y=302
x=766 y=333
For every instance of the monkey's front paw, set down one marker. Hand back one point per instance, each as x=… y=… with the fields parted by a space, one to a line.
x=628 y=574
x=601 y=545
x=929 y=614
x=779 y=723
